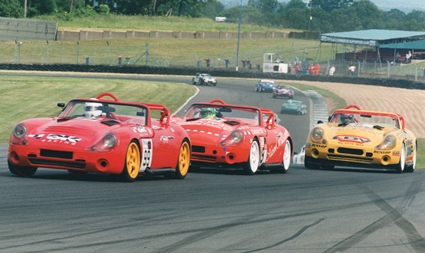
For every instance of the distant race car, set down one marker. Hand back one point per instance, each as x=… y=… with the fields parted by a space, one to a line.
x=204 y=79
x=362 y=138
x=102 y=135
x=265 y=86
x=294 y=107
x=236 y=136
x=283 y=92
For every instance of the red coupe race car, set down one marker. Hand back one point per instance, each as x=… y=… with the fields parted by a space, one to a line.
x=102 y=135
x=229 y=135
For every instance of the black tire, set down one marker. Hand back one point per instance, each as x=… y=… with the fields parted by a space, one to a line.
x=21 y=171
x=251 y=166
x=309 y=165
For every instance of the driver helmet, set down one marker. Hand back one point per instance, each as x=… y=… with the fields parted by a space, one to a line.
x=347 y=118
x=208 y=112
x=93 y=109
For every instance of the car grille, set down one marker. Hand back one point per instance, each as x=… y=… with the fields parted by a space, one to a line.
x=41 y=162
x=350 y=159
x=351 y=151
x=198 y=149
x=203 y=158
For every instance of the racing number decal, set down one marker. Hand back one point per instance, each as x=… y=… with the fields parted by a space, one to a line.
x=147 y=152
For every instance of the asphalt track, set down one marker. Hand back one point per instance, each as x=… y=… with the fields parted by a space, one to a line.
x=340 y=210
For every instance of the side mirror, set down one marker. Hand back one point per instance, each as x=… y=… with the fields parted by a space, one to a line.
x=61 y=105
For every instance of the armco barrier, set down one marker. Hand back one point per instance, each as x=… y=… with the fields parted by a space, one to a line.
x=191 y=71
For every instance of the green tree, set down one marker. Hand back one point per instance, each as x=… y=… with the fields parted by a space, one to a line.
x=414 y=21
x=330 y=5
x=212 y=8
x=11 y=9
x=345 y=20
x=250 y=15
x=41 y=7
x=370 y=16
x=266 y=7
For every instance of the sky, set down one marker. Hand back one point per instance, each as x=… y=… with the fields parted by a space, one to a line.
x=406 y=6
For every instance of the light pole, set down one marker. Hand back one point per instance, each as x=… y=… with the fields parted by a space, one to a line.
x=19 y=52
x=78 y=50
x=47 y=52
x=310 y=16
x=239 y=37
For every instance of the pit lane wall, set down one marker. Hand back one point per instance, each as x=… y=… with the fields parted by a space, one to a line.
x=191 y=71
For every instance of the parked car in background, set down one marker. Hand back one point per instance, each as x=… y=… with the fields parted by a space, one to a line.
x=236 y=136
x=204 y=79
x=265 y=85
x=283 y=92
x=102 y=135
x=362 y=138
x=292 y=106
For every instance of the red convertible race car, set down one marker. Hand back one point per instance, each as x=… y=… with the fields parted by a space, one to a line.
x=283 y=92
x=229 y=135
x=102 y=135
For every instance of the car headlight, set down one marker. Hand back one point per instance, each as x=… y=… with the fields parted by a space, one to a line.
x=234 y=138
x=109 y=141
x=317 y=135
x=106 y=143
x=19 y=131
x=389 y=142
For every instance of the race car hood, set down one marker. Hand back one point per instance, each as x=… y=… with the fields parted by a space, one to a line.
x=77 y=131
x=360 y=134
x=210 y=130
x=291 y=106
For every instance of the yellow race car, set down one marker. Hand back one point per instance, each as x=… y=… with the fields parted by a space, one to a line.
x=361 y=138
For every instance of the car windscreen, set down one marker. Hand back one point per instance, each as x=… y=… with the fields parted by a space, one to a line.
x=93 y=108
x=249 y=115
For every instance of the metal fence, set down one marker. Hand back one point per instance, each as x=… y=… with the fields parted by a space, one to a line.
x=12 y=29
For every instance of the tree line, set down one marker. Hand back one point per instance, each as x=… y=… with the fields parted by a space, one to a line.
x=317 y=15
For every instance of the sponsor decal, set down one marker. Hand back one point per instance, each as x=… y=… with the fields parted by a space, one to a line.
x=351 y=138
x=166 y=138
x=382 y=152
x=396 y=153
x=57 y=138
x=36 y=136
x=139 y=129
x=318 y=145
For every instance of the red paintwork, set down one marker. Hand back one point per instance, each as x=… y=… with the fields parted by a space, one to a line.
x=76 y=136
x=208 y=133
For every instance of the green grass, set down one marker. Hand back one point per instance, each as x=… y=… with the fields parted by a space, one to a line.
x=31 y=97
x=172 y=52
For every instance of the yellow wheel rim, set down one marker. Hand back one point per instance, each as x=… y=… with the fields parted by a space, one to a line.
x=133 y=160
x=184 y=158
